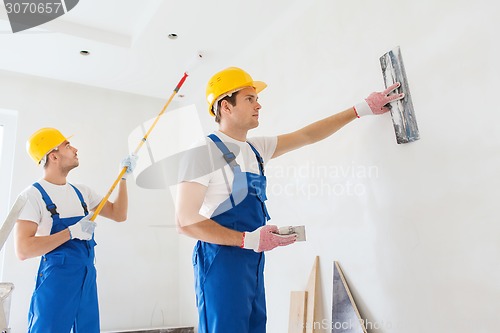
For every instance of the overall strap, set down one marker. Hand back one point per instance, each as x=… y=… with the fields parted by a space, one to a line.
x=226 y=153
x=51 y=207
x=80 y=196
x=231 y=158
x=259 y=159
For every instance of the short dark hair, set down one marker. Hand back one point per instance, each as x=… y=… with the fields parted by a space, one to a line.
x=230 y=99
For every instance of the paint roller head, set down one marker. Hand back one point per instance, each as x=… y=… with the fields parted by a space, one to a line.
x=195 y=60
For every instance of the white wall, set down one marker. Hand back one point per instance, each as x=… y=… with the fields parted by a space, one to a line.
x=136 y=263
x=420 y=242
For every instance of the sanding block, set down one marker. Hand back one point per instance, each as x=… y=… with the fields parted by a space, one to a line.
x=300 y=231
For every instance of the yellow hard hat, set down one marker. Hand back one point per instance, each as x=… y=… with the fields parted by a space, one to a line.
x=43 y=141
x=229 y=80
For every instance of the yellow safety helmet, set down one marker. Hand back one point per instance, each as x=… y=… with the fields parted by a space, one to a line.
x=42 y=142
x=229 y=80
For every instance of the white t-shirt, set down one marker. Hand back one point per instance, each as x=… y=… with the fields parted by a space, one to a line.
x=63 y=196
x=220 y=181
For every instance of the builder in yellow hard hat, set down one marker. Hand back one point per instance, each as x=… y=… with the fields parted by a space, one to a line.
x=55 y=224
x=225 y=210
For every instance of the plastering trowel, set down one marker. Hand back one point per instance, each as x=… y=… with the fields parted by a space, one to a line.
x=402 y=113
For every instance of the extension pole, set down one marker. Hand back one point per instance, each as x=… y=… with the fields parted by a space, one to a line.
x=141 y=143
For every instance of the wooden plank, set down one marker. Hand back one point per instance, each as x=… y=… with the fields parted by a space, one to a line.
x=312 y=294
x=297 y=319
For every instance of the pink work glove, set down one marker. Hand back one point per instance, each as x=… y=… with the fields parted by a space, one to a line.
x=375 y=103
x=266 y=238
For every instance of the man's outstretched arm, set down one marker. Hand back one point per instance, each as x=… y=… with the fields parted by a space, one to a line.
x=373 y=104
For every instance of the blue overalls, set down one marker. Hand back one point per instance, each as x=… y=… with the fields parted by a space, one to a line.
x=229 y=280
x=65 y=296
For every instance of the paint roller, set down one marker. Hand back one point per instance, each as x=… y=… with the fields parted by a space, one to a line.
x=402 y=113
x=191 y=64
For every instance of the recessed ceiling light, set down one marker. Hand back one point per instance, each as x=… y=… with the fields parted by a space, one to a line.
x=84 y=52
x=172 y=36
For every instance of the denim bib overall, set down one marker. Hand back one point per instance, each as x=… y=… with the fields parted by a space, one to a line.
x=65 y=296
x=229 y=280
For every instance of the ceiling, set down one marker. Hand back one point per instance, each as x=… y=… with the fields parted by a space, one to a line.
x=129 y=45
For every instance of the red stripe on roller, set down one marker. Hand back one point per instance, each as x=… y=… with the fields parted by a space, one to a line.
x=181 y=82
